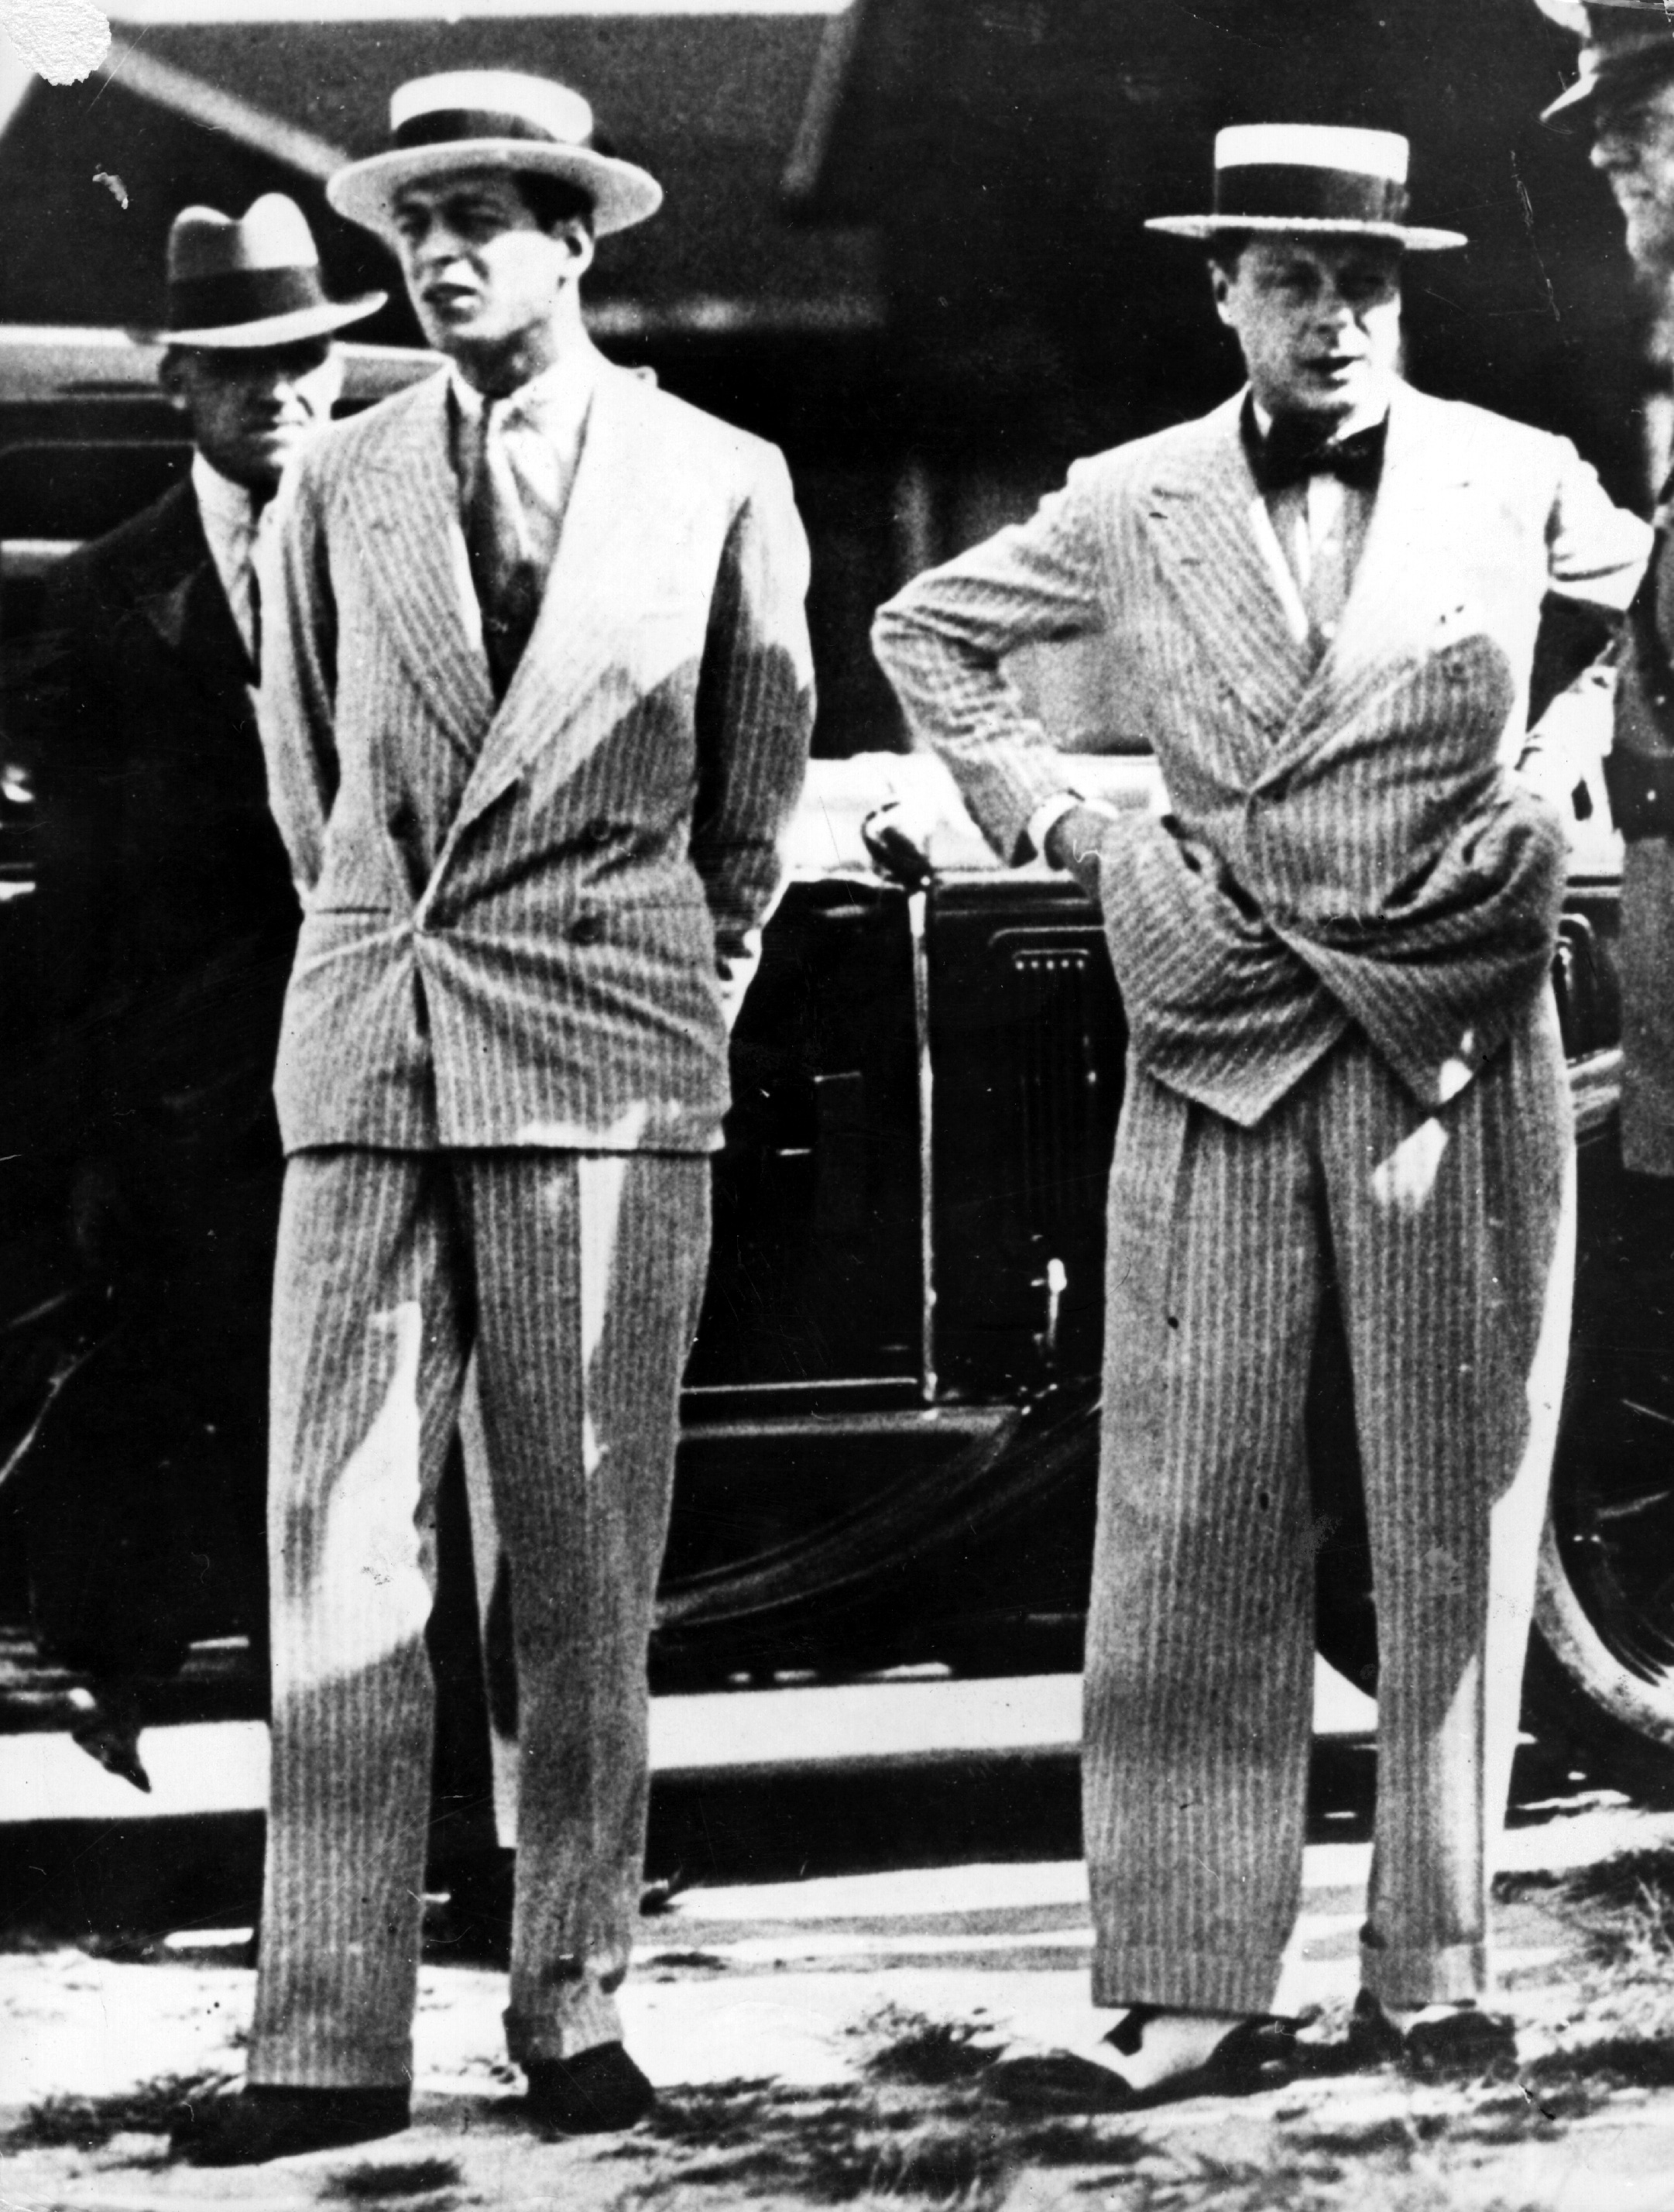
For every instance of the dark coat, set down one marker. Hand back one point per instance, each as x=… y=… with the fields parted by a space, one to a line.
x=167 y=917
x=167 y=923
x=1641 y=770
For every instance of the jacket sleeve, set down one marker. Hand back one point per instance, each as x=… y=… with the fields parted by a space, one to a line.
x=1596 y=551
x=942 y=644
x=296 y=702
x=1597 y=554
x=754 y=716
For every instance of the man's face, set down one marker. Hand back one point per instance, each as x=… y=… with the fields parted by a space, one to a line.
x=253 y=411
x=1319 y=320
x=482 y=272
x=1634 y=145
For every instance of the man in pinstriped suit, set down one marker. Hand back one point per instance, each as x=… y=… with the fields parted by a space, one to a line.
x=536 y=699
x=1319 y=602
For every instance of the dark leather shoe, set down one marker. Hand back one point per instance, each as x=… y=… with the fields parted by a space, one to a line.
x=1256 y=2055
x=262 y=2122
x=1462 y=2043
x=597 y=2090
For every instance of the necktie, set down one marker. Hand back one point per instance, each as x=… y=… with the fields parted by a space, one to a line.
x=504 y=566
x=253 y=581
x=1294 y=449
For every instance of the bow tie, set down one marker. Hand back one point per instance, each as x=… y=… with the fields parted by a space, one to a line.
x=1293 y=451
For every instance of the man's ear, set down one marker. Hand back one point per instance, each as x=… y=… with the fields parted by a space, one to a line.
x=577 y=236
x=169 y=377
x=1220 y=286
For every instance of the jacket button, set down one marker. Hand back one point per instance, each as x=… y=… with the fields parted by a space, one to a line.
x=586 y=929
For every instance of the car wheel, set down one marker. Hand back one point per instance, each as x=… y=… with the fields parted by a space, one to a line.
x=1602 y=1666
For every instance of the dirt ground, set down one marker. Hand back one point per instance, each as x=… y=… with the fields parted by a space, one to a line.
x=826 y=2042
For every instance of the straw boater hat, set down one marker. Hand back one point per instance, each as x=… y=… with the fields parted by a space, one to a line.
x=492 y=119
x=1311 y=178
x=235 y=285
x=1627 y=48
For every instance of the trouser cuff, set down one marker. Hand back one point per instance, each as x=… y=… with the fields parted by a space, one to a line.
x=1186 y=1981
x=328 y=2062
x=583 y=2017
x=1451 y=1973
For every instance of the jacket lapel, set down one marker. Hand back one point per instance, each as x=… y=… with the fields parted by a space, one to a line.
x=405 y=503
x=1401 y=589
x=554 y=702
x=180 y=594
x=1204 y=510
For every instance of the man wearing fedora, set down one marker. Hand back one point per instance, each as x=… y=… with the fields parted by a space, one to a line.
x=537 y=701
x=1320 y=602
x=1625 y=95
x=169 y=922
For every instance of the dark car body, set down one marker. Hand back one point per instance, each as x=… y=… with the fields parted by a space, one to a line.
x=891 y=1419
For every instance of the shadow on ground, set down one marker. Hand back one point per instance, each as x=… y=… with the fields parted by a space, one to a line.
x=918 y=2128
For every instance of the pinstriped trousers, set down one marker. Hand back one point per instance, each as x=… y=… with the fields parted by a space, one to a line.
x=1451 y=1239
x=575 y=1280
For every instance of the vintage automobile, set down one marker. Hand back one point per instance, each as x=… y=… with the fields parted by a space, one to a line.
x=890 y=1416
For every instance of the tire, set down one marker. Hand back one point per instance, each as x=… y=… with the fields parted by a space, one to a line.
x=1601 y=1662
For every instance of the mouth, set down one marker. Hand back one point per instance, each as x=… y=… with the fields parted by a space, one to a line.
x=449 y=299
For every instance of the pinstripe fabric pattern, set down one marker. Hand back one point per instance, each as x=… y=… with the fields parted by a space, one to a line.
x=1344 y=839
x=577 y=1279
x=565 y=879
x=1455 y=1291
x=1342 y=1058
x=503 y=1058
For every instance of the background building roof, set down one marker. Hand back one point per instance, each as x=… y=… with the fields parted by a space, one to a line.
x=219 y=110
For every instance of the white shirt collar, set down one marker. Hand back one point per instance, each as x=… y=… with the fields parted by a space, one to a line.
x=232 y=528
x=228 y=509
x=1364 y=420
x=555 y=401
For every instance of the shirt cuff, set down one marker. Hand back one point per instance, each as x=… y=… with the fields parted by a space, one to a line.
x=1045 y=818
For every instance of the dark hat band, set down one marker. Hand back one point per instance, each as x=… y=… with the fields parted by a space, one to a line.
x=242 y=295
x=1619 y=78
x=1275 y=190
x=439 y=127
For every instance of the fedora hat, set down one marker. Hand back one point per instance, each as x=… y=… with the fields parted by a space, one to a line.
x=253 y=281
x=492 y=119
x=1627 y=48
x=1323 y=178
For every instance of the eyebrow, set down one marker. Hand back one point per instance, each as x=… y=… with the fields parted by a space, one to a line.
x=448 y=196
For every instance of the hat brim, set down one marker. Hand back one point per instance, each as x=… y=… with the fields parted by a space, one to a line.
x=623 y=194
x=1581 y=94
x=1417 y=238
x=289 y=329
x=1621 y=80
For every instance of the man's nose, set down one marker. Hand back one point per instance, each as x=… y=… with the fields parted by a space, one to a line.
x=438 y=246
x=1608 y=152
x=1335 y=307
